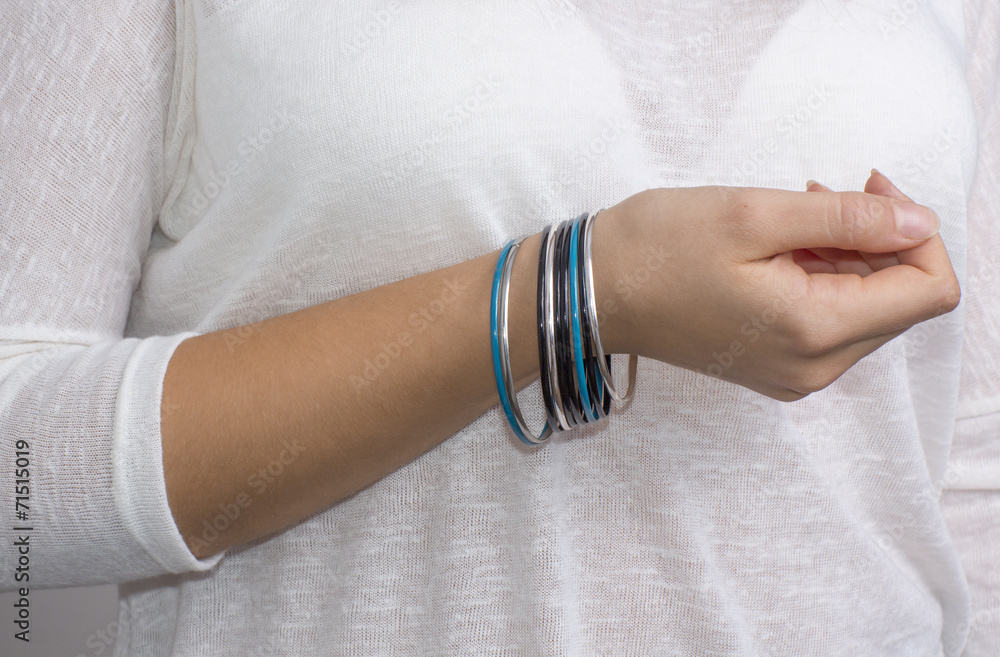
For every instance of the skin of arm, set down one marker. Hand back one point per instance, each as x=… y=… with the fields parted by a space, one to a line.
x=345 y=392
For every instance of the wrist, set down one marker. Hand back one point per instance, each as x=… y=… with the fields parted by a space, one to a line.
x=614 y=290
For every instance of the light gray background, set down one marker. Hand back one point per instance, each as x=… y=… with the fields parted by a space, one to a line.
x=62 y=621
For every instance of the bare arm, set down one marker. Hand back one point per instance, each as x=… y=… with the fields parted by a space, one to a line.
x=341 y=393
x=346 y=392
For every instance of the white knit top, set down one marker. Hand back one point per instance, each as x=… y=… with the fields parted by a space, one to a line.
x=169 y=169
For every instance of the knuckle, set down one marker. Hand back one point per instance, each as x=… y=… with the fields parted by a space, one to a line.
x=812 y=377
x=855 y=216
x=951 y=295
x=808 y=337
x=741 y=212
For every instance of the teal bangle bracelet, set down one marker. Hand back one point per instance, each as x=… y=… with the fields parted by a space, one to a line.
x=501 y=348
x=586 y=399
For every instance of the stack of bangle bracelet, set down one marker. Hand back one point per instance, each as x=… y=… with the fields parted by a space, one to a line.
x=576 y=379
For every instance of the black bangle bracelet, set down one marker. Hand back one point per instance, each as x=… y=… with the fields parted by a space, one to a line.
x=557 y=339
x=548 y=303
x=564 y=336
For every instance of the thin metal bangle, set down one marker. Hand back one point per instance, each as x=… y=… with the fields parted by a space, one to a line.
x=587 y=402
x=501 y=352
x=564 y=332
x=600 y=398
x=543 y=357
x=548 y=302
x=633 y=360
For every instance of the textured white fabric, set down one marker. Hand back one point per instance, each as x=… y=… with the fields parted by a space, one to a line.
x=976 y=513
x=975 y=454
x=972 y=502
x=169 y=171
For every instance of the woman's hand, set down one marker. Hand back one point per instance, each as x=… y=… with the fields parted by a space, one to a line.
x=777 y=291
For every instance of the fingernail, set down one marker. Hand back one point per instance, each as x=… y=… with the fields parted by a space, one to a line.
x=891 y=184
x=915 y=221
x=810 y=183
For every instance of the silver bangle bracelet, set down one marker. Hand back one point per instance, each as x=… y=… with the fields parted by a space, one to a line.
x=595 y=336
x=505 y=368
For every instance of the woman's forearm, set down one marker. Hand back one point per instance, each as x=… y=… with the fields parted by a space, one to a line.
x=339 y=394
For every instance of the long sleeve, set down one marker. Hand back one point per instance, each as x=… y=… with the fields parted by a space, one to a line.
x=83 y=102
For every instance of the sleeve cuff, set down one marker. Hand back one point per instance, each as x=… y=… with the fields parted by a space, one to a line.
x=140 y=491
